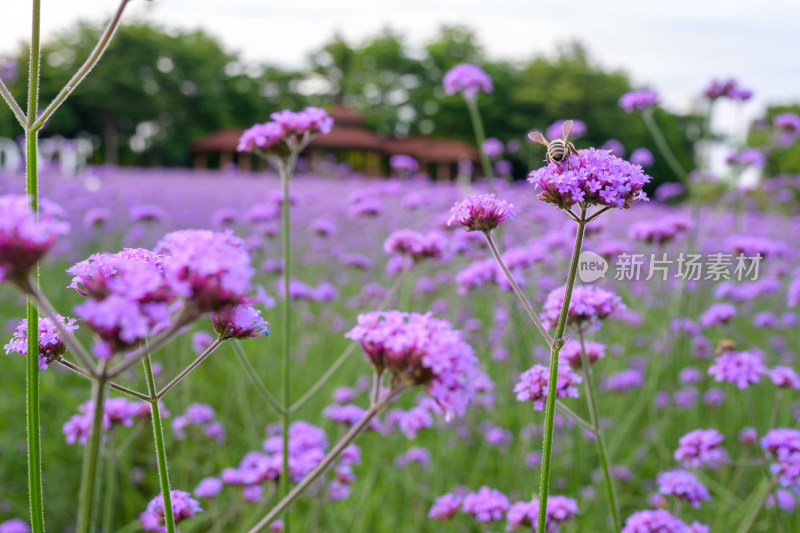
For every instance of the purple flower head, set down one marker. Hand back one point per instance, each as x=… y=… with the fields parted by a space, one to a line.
x=23 y=239
x=787 y=122
x=553 y=131
x=741 y=368
x=128 y=297
x=683 y=485
x=747 y=157
x=210 y=269
x=642 y=157
x=96 y=217
x=624 y=380
x=183 y=507
x=486 y=505
x=311 y=120
x=201 y=340
x=417 y=246
x=571 y=352
x=660 y=231
x=729 y=88
x=15 y=525
x=418 y=455
x=613 y=145
x=524 y=514
x=209 y=487
x=701 y=447
x=748 y=436
x=51 y=345
x=403 y=163
x=467 y=79
x=588 y=305
x=533 y=383
x=148 y=214
x=493 y=148
x=420 y=350
x=239 y=322
x=659 y=521
x=445 y=506
x=753 y=246
x=785 y=377
x=717 y=315
x=783 y=446
x=262 y=136
x=480 y=212
x=638 y=100
x=593 y=177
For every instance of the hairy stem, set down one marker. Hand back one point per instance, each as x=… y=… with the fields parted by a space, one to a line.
x=599 y=439
x=85 y=373
x=547 y=445
x=87 y=66
x=185 y=372
x=525 y=303
x=7 y=96
x=480 y=137
x=347 y=351
x=349 y=437
x=256 y=380
x=91 y=456
x=35 y=492
x=161 y=453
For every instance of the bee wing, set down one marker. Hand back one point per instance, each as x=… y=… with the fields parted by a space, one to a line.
x=566 y=129
x=537 y=137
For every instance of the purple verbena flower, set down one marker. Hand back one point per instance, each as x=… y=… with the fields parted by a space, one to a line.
x=701 y=447
x=741 y=368
x=209 y=487
x=571 y=352
x=480 y=212
x=183 y=507
x=659 y=521
x=239 y=322
x=15 y=525
x=524 y=514
x=486 y=505
x=533 y=383
x=51 y=345
x=467 y=79
x=588 y=305
x=445 y=506
x=683 y=485
x=638 y=100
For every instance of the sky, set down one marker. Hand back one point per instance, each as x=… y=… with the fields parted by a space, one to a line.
x=675 y=47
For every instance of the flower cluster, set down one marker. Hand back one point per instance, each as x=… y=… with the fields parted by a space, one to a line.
x=593 y=177
x=683 y=485
x=571 y=352
x=420 y=350
x=183 y=507
x=588 y=305
x=783 y=445
x=729 y=88
x=210 y=269
x=486 y=505
x=51 y=345
x=493 y=148
x=642 y=157
x=24 y=240
x=533 y=383
x=701 y=447
x=743 y=368
x=467 y=79
x=129 y=297
x=638 y=100
x=524 y=514
x=480 y=212
x=285 y=125
x=661 y=231
x=750 y=246
x=116 y=412
x=199 y=414
x=15 y=525
x=403 y=163
x=717 y=315
x=239 y=322
x=417 y=246
x=787 y=121
x=747 y=157
x=659 y=521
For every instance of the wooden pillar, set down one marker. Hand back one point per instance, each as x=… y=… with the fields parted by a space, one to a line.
x=443 y=172
x=225 y=159
x=373 y=164
x=245 y=161
x=200 y=160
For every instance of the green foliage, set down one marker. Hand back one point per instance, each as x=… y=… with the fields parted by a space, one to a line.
x=156 y=90
x=780 y=159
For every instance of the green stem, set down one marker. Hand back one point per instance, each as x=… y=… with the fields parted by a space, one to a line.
x=7 y=96
x=663 y=147
x=255 y=379
x=91 y=456
x=550 y=411
x=286 y=326
x=109 y=502
x=748 y=524
x=161 y=453
x=598 y=432
x=349 y=437
x=185 y=372
x=521 y=295
x=35 y=491
x=480 y=137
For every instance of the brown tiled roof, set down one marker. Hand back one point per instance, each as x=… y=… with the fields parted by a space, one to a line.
x=347 y=133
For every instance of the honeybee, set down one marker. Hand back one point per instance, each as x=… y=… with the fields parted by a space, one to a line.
x=559 y=149
x=725 y=345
